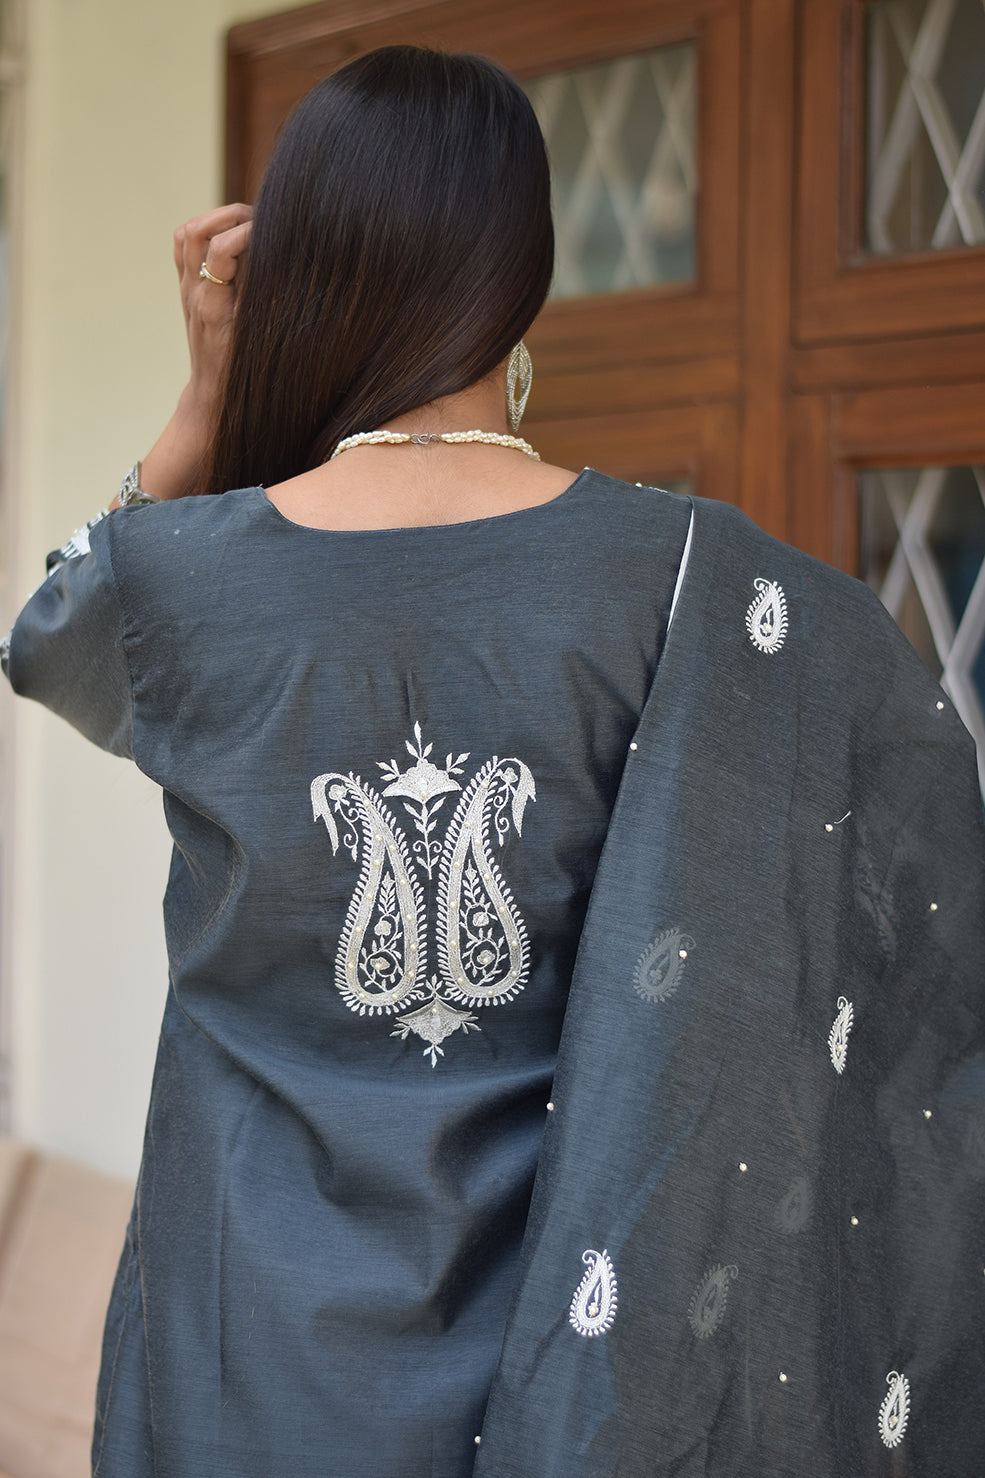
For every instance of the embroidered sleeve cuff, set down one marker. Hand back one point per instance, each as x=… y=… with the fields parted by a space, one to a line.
x=74 y=547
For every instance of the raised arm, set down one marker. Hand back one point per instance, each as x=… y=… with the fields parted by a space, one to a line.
x=208 y=254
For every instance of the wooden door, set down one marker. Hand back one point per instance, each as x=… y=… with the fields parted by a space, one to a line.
x=886 y=389
x=817 y=355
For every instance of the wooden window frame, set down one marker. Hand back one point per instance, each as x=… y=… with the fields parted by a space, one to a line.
x=841 y=292
x=833 y=437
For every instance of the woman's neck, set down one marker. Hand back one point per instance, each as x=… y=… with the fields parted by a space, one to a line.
x=407 y=485
x=482 y=407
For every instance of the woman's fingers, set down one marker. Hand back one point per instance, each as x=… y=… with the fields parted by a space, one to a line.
x=216 y=240
x=225 y=249
x=193 y=239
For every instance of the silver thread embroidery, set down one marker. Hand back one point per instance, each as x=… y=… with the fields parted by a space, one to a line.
x=894 y=1413
x=794 y=1211
x=593 y=1307
x=423 y=788
x=382 y=953
x=707 y=1308
x=435 y=1021
x=838 y=1035
x=660 y=967
x=482 y=940
x=766 y=617
x=483 y=952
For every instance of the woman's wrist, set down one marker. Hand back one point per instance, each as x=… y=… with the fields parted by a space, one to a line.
x=173 y=466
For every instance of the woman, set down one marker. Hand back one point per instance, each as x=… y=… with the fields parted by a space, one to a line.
x=403 y=689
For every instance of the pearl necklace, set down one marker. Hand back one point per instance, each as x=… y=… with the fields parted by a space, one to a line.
x=423 y=438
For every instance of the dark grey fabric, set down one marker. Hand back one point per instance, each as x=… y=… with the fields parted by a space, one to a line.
x=326 y=1231
x=783 y=1237
x=769 y=1094
x=69 y=654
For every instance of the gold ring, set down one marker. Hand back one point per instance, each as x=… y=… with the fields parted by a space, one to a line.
x=203 y=271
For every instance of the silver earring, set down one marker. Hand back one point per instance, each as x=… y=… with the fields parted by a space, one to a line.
x=519 y=377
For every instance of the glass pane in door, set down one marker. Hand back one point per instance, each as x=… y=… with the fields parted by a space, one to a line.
x=925 y=125
x=621 y=136
x=923 y=551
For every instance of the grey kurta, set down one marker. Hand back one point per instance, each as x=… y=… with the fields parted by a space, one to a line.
x=388 y=761
x=755 y=1247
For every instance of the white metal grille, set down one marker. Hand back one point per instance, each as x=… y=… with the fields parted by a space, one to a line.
x=923 y=550
x=621 y=136
x=926 y=124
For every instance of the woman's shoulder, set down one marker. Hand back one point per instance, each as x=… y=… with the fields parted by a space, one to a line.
x=629 y=510
x=207 y=513
x=731 y=543
x=751 y=592
x=648 y=497
x=147 y=534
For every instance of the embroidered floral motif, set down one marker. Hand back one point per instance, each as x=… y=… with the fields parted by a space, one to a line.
x=766 y=617
x=483 y=953
x=593 y=1307
x=482 y=940
x=707 y=1307
x=382 y=952
x=894 y=1413
x=838 y=1035
x=433 y=1022
x=426 y=787
x=794 y=1211
x=660 y=967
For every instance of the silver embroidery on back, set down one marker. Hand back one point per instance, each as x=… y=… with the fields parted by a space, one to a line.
x=435 y=1021
x=894 y=1413
x=838 y=1035
x=482 y=940
x=794 y=1211
x=593 y=1307
x=707 y=1307
x=483 y=953
x=660 y=967
x=766 y=617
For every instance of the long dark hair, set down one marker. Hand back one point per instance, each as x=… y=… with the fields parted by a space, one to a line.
x=402 y=244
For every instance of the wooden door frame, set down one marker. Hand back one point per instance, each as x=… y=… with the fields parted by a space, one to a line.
x=699 y=442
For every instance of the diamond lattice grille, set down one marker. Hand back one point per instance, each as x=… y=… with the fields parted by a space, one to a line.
x=926 y=124
x=923 y=550
x=621 y=136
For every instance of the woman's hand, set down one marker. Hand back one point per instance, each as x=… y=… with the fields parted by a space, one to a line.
x=217 y=241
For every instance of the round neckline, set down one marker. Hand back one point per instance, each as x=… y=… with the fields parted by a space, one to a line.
x=422 y=528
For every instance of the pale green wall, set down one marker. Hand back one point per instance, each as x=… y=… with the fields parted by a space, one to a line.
x=121 y=142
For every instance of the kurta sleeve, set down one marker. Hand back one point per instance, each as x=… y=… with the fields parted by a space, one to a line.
x=66 y=649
